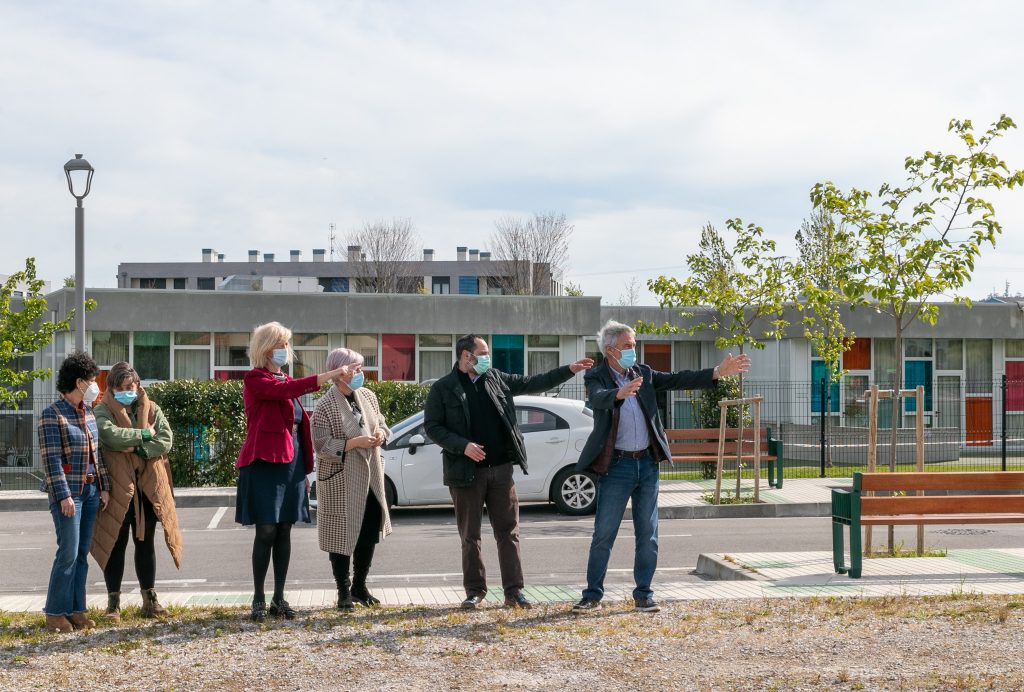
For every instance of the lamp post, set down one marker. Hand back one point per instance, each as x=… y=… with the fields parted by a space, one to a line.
x=79 y=174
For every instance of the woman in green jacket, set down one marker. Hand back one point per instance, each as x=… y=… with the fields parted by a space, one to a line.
x=136 y=438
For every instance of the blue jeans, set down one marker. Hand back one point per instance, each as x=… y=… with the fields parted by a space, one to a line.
x=627 y=478
x=66 y=592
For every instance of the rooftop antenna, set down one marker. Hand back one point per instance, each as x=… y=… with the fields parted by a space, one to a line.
x=331 y=237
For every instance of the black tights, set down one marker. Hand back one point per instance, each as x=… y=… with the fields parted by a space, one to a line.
x=271 y=540
x=145 y=551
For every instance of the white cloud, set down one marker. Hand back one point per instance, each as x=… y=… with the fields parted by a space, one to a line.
x=238 y=125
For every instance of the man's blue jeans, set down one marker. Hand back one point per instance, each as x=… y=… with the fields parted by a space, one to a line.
x=66 y=593
x=635 y=479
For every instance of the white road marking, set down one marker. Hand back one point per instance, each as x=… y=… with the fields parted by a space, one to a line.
x=562 y=538
x=216 y=518
x=20 y=548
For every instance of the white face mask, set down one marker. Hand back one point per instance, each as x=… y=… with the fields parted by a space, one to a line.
x=91 y=393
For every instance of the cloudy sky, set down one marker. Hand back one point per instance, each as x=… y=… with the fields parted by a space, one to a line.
x=239 y=125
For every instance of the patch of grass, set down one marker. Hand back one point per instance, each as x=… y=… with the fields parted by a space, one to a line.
x=728 y=498
x=122 y=647
x=899 y=550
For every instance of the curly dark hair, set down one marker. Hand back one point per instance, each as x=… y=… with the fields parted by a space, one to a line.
x=78 y=366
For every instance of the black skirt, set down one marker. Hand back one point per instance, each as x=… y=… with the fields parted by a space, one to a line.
x=273 y=493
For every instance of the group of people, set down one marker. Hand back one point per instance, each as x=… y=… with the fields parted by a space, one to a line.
x=107 y=472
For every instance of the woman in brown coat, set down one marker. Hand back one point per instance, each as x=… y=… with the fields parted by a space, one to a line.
x=352 y=508
x=136 y=438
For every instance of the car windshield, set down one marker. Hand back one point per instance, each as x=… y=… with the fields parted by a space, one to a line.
x=404 y=426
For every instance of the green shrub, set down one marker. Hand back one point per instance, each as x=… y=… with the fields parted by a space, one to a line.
x=208 y=420
x=708 y=412
x=399 y=400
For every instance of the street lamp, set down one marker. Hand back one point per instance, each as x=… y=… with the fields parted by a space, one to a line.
x=79 y=174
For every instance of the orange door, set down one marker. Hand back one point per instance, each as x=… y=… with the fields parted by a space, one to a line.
x=979 y=420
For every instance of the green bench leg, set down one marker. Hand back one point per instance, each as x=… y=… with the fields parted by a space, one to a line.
x=856 y=552
x=838 y=557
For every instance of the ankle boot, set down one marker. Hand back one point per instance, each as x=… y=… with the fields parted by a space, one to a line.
x=360 y=594
x=58 y=623
x=114 y=606
x=339 y=565
x=151 y=607
x=81 y=622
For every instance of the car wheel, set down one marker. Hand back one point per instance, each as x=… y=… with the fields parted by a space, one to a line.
x=574 y=492
x=390 y=494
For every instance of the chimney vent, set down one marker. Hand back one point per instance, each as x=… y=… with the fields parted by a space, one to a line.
x=319 y=254
x=254 y=255
x=207 y=254
x=296 y=255
x=353 y=253
x=268 y=256
x=460 y=253
x=485 y=256
x=428 y=255
x=474 y=255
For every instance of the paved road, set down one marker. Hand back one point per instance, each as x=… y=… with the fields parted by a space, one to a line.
x=424 y=549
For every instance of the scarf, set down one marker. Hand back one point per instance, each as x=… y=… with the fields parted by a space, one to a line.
x=144 y=417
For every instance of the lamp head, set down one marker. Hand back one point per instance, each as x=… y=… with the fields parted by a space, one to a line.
x=79 y=174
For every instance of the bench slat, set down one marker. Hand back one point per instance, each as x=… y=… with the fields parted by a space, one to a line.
x=910 y=519
x=714 y=457
x=711 y=434
x=942 y=504
x=712 y=448
x=965 y=480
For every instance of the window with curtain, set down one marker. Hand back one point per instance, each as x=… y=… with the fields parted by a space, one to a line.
x=542 y=361
x=398 y=351
x=191 y=364
x=191 y=338
x=230 y=349
x=917 y=348
x=435 y=364
x=309 y=340
x=309 y=361
x=978 y=369
x=885 y=363
x=366 y=346
x=153 y=355
x=591 y=350
x=949 y=354
x=109 y=347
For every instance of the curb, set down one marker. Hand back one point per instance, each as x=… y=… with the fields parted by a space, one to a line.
x=719 y=569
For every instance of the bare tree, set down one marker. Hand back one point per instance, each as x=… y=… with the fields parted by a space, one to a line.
x=388 y=249
x=532 y=251
x=631 y=294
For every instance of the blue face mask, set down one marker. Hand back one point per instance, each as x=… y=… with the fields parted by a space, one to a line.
x=280 y=357
x=357 y=381
x=627 y=358
x=126 y=398
x=482 y=365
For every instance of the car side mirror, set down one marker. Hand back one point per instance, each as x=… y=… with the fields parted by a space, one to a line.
x=415 y=441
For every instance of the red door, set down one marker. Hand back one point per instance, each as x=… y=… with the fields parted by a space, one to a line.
x=979 y=420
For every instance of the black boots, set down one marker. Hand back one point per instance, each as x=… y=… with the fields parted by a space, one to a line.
x=354 y=591
x=339 y=566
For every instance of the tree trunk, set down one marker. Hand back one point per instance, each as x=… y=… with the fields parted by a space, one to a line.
x=897 y=405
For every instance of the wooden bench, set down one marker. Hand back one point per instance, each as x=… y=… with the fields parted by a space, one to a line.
x=700 y=445
x=854 y=509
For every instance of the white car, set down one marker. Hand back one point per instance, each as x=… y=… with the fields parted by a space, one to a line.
x=555 y=431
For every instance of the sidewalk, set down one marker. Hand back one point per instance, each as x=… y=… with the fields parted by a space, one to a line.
x=799 y=497
x=733 y=576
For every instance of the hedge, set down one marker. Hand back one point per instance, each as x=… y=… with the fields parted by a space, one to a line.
x=208 y=420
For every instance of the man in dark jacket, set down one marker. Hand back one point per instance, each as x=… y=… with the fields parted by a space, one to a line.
x=471 y=415
x=625 y=447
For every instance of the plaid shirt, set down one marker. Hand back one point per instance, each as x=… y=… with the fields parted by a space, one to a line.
x=66 y=435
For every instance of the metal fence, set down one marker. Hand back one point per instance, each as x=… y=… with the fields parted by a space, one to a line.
x=970 y=425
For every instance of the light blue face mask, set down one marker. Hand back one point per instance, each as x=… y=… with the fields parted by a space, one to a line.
x=482 y=365
x=126 y=398
x=357 y=381
x=280 y=357
x=627 y=358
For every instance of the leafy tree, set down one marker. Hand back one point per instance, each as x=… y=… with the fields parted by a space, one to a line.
x=922 y=239
x=738 y=294
x=23 y=332
x=827 y=251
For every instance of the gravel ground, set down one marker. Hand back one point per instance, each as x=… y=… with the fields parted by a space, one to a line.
x=960 y=643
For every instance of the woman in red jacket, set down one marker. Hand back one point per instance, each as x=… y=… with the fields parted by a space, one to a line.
x=273 y=492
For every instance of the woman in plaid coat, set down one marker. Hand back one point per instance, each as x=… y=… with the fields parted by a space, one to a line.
x=352 y=508
x=77 y=484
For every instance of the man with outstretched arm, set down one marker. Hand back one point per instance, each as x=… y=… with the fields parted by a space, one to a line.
x=624 y=449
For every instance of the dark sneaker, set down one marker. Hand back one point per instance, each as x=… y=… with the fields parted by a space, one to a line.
x=586 y=604
x=646 y=605
x=472 y=602
x=259 y=611
x=282 y=610
x=516 y=599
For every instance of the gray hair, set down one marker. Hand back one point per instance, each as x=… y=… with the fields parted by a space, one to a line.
x=343 y=356
x=610 y=333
